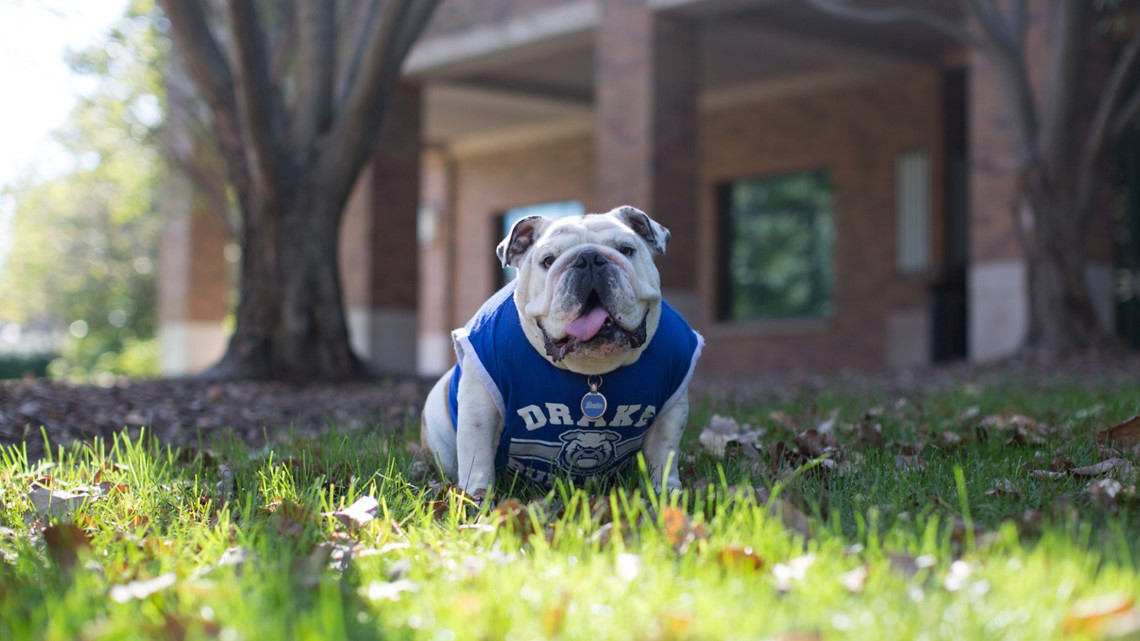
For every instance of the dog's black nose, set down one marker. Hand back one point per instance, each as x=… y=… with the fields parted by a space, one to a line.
x=589 y=258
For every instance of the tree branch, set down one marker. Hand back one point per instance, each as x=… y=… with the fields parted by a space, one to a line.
x=1013 y=76
x=365 y=32
x=1109 y=109
x=207 y=183
x=356 y=125
x=1126 y=115
x=260 y=102
x=282 y=46
x=1111 y=116
x=1063 y=97
x=417 y=20
x=1018 y=21
x=365 y=14
x=986 y=13
x=316 y=20
x=211 y=73
x=888 y=15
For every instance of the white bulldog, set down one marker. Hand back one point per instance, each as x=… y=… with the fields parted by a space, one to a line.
x=573 y=368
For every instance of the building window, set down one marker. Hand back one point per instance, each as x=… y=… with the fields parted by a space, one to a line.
x=777 y=239
x=551 y=210
x=912 y=212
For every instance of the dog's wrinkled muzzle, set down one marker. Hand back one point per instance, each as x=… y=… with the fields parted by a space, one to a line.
x=610 y=333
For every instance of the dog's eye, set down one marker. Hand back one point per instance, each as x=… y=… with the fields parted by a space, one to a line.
x=547 y=262
x=627 y=250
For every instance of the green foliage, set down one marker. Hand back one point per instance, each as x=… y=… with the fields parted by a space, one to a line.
x=84 y=242
x=150 y=542
x=20 y=365
x=781 y=238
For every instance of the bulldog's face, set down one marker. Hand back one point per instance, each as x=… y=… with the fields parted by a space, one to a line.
x=588 y=294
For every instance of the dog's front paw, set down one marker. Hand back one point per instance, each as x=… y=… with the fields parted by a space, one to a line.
x=673 y=487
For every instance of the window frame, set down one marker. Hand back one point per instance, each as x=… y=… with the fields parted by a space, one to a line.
x=724 y=229
x=500 y=230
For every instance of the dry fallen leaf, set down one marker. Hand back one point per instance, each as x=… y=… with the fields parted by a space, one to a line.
x=814 y=444
x=552 y=618
x=388 y=590
x=951 y=440
x=1119 y=465
x=794 y=570
x=65 y=542
x=1125 y=434
x=680 y=530
x=1061 y=464
x=57 y=503
x=139 y=590
x=510 y=513
x=724 y=431
x=908 y=565
x=855 y=579
x=677 y=625
x=783 y=508
x=359 y=513
x=1110 y=616
x=741 y=558
x=1103 y=492
x=225 y=483
x=1004 y=487
x=957 y=576
x=628 y=566
x=959 y=532
x=908 y=462
x=783 y=419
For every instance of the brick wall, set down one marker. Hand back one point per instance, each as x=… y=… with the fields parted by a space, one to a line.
x=855 y=132
x=487 y=186
x=993 y=178
x=194 y=274
x=453 y=16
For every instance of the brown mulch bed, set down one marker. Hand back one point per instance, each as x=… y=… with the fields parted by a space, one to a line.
x=187 y=411
x=1107 y=366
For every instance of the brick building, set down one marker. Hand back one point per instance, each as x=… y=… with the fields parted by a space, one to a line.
x=840 y=195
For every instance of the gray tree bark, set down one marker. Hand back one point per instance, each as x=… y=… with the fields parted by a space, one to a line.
x=293 y=142
x=1061 y=164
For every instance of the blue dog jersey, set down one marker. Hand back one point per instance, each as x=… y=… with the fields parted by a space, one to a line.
x=541 y=404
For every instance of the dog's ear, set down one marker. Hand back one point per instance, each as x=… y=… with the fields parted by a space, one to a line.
x=651 y=231
x=520 y=240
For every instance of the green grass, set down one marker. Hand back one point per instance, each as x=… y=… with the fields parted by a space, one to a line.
x=913 y=548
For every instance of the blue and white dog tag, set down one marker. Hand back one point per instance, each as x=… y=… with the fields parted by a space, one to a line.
x=593 y=403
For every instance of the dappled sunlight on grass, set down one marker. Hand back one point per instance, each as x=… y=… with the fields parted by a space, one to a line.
x=824 y=535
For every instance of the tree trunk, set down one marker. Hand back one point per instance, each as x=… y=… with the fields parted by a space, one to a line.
x=290 y=318
x=1061 y=317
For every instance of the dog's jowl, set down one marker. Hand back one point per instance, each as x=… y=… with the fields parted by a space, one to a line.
x=573 y=368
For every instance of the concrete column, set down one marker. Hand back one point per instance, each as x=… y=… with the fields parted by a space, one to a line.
x=437 y=264
x=193 y=283
x=998 y=288
x=645 y=102
x=378 y=241
x=998 y=273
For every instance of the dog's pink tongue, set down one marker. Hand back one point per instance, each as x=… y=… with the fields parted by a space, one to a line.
x=587 y=325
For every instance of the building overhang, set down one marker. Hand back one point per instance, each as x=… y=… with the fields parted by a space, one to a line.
x=531 y=76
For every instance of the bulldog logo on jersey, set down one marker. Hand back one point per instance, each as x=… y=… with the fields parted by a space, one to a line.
x=588 y=451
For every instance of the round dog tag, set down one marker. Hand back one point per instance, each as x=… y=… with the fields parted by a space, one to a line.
x=593 y=403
